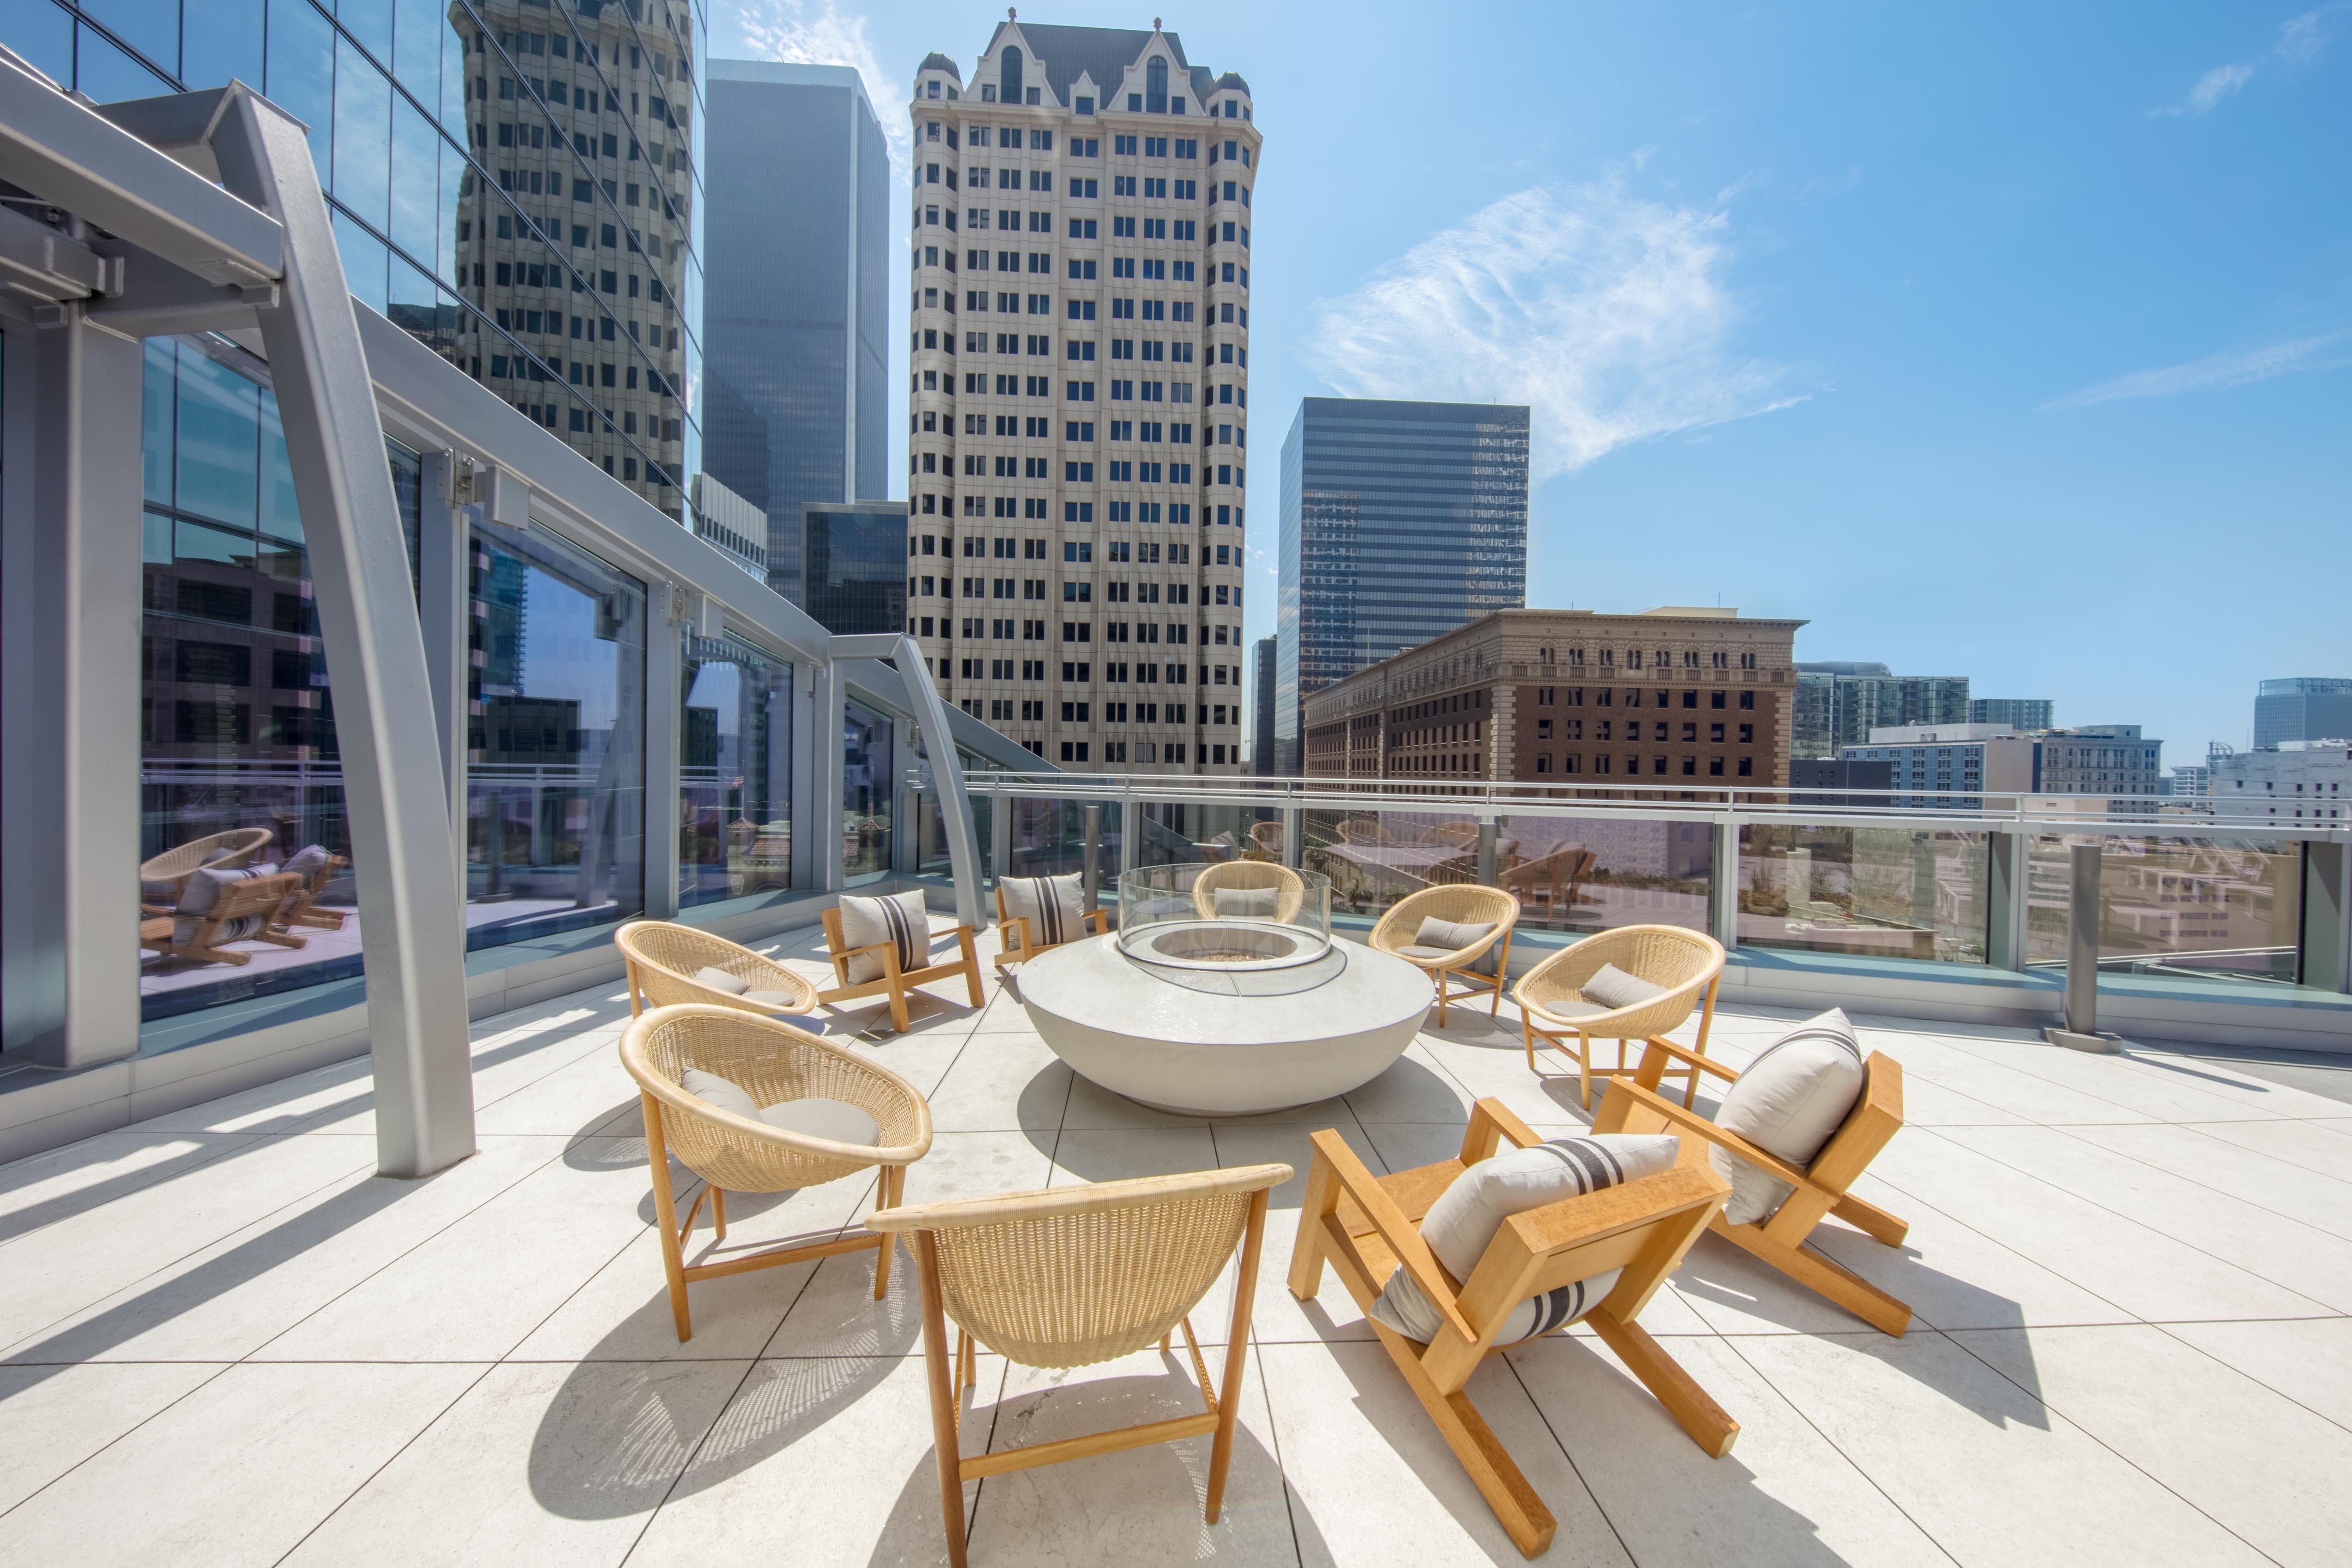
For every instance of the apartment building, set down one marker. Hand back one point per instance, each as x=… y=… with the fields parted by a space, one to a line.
x=2017 y=713
x=1840 y=702
x=2294 y=780
x=1079 y=402
x=1674 y=698
x=1951 y=766
x=2113 y=760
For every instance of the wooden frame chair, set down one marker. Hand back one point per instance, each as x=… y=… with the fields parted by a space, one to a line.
x=662 y=958
x=1689 y=963
x=264 y=898
x=770 y=1061
x=1018 y=944
x=991 y=1263
x=893 y=981
x=1635 y=1105
x=1249 y=875
x=303 y=910
x=1365 y=1227
x=1465 y=903
x=171 y=869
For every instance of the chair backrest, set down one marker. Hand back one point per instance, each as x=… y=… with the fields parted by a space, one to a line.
x=1568 y=863
x=664 y=958
x=1685 y=961
x=236 y=849
x=1245 y=876
x=1876 y=1117
x=1365 y=830
x=1464 y=903
x=1456 y=833
x=1074 y=1276
x=1268 y=837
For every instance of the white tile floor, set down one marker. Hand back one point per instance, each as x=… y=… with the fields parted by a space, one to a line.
x=223 y=1340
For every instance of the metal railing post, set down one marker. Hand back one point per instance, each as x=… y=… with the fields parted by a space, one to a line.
x=1722 y=886
x=1090 y=827
x=2081 y=1029
x=2005 y=899
x=2327 y=959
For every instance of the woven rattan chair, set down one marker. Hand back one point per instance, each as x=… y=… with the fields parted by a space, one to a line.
x=1552 y=880
x=1688 y=963
x=1464 y=903
x=1461 y=835
x=1266 y=837
x=1368 y=1227
x=1365 y=830
x=1249 y=876
x=663 y=958
x=1073 y=1277
x=1633 y=1105
x=164 y=877
x=771 y=1062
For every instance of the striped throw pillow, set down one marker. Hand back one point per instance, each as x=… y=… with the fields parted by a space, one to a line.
x=900 y=919
x=1054 y=907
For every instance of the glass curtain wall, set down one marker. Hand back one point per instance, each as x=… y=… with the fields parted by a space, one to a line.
x=735 y=750
x=240 y=776
x=514 y=182
x=556 y=758
x=868 y=791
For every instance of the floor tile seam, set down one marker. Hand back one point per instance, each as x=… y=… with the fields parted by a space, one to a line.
x=435 y=1233
x=530 y=1083
x=2042 y=1399
x=2288 y=1161
x=1623 y=1547
x=1990 y=1240
x=221 y=1370
x=2177 y=1238
x=1853 y=1461
x=2056 y=1083
x=2166 y=1329
x=389 y=1460
x=299 y=1200
x=717 y=1415
x=155 y=1180
x=1273 y=1441
x=2235 y=1148
x=807 y=1282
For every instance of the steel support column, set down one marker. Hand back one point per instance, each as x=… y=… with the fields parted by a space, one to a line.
x=396 y=796
x=665 y=680
x=445 y=547
x=1723 y=885
x=2327 y=916
x=2005 y=900
x=70 y=692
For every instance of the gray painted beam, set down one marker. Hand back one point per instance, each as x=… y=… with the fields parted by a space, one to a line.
x=396 y=793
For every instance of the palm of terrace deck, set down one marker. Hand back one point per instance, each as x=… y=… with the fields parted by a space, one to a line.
x=228 y=1341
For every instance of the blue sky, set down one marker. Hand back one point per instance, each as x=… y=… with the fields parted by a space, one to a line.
x=2007 y=341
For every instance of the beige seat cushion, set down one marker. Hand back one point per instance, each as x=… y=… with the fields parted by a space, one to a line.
x=720 y=980
x=812 y=1118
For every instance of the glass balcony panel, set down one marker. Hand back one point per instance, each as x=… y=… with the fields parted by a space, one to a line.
x=1584 y=874
x=734 y=773
x=868 y=782
x=2219 y=909
x=1377 y=860
x=1049 y=838
x=1881 y=893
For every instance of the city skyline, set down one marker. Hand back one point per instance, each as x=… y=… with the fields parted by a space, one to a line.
x=2097 y=356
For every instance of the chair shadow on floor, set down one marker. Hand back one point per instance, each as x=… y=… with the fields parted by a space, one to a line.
x=1138 y=1507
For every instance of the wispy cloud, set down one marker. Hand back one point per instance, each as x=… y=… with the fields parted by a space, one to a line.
x=801 y=33
x=1609 y=314
x=2292 y=357
x=2300 y=40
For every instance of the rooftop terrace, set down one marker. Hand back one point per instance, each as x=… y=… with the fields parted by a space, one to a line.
x=230 y=1342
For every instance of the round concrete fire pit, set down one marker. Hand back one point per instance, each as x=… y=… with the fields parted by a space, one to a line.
x=1217 y=1032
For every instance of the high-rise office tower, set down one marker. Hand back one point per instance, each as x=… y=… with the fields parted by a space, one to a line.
x=2303 y=708
x=1399 y=522
x=852 y=557
x=1079 y=396
x=2017 y=713
x=571 y=242
x=1262 y=751
x=795 y=297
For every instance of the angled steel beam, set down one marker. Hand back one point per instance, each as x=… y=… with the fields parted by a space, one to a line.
x=938 y=739
x=394 y=794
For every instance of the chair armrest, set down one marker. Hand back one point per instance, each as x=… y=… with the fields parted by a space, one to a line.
x=1490 y=1122
x=1403 y=1238
x=1664 y=1049
x=1559 y=1225
x=1678 y=1118
x=886 y=945
x=1100 y=920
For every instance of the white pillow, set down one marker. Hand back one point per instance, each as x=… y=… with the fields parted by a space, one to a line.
x=205 y=889
x=1247 y=903
x=902 y=919
x=1450 y=935
x=714 y=979
x=313 y=863
x=1054 y=907
x=816 y=1118
x=1615 y=989
x=1788 y=1102
x=1466 y=1216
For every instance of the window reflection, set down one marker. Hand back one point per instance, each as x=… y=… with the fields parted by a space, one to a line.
x=866 y=784
x=734 y=771
x=555 y=774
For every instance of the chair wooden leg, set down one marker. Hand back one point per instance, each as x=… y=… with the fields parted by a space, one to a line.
x=1516 y=1506
x=1229 y=1396
x=1693 y=1410
x=1306 y=1253
x=899 y=1008
x=970 y=967
x=967 y=1363
x=665 y=1208
x=1584 y=1067
x=718 y=1211
x=888 y=1187
x=945 y=1405
x=1819 y=1274
x=1871 y=1220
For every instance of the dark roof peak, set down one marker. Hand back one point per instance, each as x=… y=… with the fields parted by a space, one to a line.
x=936 y=61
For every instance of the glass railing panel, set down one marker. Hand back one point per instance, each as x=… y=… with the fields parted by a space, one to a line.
x=1171 y=833
x=932 y=857
x=1050 y=837
x=1585 y=874
x=734 y=830
x=1883 y=892
x=1376 y=860
x=2218 y=908
x=867 y=781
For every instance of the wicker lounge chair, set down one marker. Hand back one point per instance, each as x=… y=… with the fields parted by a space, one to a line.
x=774 y=1063
x=1688 y=963
x=1552 y=880
x=1073 y=1277
x=1365 y=830
x=1461 y=835
x=164 y=877
x=1634 y=1106
x=1463 y=903
x=1266 y=837
x=1249 y=875
x=1367 y=1226
x=663 y=959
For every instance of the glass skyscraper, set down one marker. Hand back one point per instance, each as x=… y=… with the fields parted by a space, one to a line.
x=797 y=307
x=512 y=181
x=2303 y=708
x=1399 y=522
